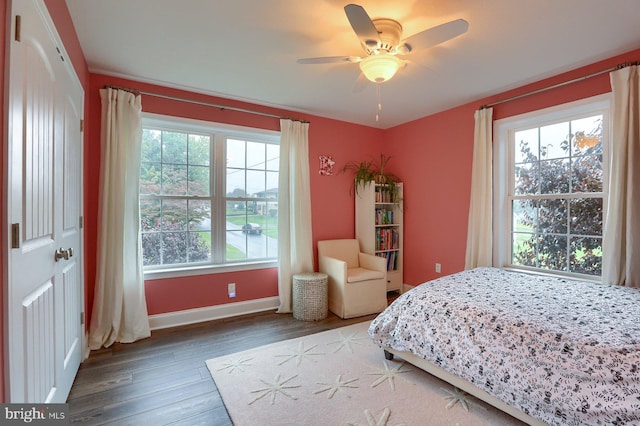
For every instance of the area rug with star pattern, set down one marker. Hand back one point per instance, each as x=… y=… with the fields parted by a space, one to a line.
x=339 y=377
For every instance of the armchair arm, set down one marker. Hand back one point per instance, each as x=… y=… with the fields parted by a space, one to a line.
x=370 y=261
x=335 y=268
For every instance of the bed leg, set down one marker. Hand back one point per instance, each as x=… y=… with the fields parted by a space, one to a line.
x=388 y=355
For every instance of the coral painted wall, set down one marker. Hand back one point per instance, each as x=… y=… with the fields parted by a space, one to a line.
x=330 y=194
x=434 y=156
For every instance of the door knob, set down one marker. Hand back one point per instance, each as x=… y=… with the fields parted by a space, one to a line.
x=63 y=254
x=60 y=254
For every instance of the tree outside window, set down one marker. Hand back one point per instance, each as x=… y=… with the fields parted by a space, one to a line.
x=180 y=214
x=557 y=197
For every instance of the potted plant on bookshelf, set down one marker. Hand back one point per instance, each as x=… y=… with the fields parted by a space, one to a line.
x=367 y=171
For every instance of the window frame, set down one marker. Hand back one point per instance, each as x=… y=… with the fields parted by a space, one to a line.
x=219 y=133
x=504 y=169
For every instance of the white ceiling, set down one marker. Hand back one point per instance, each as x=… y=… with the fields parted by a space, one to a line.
x=247 y=49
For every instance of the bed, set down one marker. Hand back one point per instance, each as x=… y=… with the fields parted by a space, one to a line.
x=546 y=350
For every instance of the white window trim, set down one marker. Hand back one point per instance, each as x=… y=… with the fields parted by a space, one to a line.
x=151 y=119
x=192 y=271
x=217 y=178
x=502 y=171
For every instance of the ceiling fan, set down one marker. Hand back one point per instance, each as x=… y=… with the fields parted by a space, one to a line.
x=383 y=45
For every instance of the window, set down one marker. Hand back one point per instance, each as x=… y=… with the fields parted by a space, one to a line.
x=251 y=199
x=208 y=194
x=550 y=188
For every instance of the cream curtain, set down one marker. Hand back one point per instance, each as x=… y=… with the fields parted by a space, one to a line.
x=119 y=306
x=621 y=246
x=295 y=245
x=479 y=230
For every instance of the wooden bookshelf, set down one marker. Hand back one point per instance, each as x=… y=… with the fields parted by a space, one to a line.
x=379 y=228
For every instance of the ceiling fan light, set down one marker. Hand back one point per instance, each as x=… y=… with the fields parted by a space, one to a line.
x=380 y=68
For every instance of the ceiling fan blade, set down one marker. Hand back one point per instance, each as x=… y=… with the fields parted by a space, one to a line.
x=361 y=83
x=362 y=25
x=433 y=36
x=419 y=67
x=330 y=59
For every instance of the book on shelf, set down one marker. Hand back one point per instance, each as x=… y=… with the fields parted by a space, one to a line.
x=383 y=195
x=392 y=259
x=384 y=217
x=387 y=239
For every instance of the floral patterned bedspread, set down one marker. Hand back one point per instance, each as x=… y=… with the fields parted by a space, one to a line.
x=563 y=351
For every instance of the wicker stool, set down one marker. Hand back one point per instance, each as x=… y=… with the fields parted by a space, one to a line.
x=310 y=296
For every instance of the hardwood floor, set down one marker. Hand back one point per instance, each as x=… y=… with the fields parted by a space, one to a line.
x=163 y=380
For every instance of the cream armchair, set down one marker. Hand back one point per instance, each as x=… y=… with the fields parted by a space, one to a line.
x=357 y=281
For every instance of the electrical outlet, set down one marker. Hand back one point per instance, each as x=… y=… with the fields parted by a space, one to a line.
x=438 y=268
x=231 y=289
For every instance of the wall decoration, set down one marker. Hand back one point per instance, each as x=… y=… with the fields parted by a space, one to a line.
x=326 y=165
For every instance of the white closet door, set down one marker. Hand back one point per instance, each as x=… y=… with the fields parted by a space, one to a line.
x=45 y=279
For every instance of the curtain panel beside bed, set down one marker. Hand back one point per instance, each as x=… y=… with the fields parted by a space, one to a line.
x=480 y=232
x=621 y=246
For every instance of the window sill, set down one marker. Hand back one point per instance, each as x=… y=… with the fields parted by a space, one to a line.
x=158 y=274
x=569 y=276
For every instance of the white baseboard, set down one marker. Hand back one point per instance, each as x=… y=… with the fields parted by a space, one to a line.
x=406 y=287
x=192 y=316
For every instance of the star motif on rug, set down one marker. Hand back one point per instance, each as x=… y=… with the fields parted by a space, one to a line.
x=299 y=354
x=277 y=386
x=336 y=386
x=235 y=364
x=347 y=341
x=387 y=375
x=372 y=421
x=456 y=396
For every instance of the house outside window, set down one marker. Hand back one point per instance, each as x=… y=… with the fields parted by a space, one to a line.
x=550 y=196
x=208 y=195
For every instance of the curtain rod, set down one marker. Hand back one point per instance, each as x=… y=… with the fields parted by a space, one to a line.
x=221 y=107
x=564 y=83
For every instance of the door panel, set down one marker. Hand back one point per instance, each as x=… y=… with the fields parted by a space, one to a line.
x=72 y=305
x=38 y=312
x=44 y=292
x=39 y=89
x=72 y=176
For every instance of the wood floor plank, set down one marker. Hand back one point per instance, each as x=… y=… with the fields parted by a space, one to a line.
x=97 y=385
x=163 y=379
x=177 y=411
x=152 y=402
x=137 y=389
x=123 y=366
x=215 y=417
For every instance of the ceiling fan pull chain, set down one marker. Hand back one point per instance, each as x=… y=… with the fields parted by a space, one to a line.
x=379 y=102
